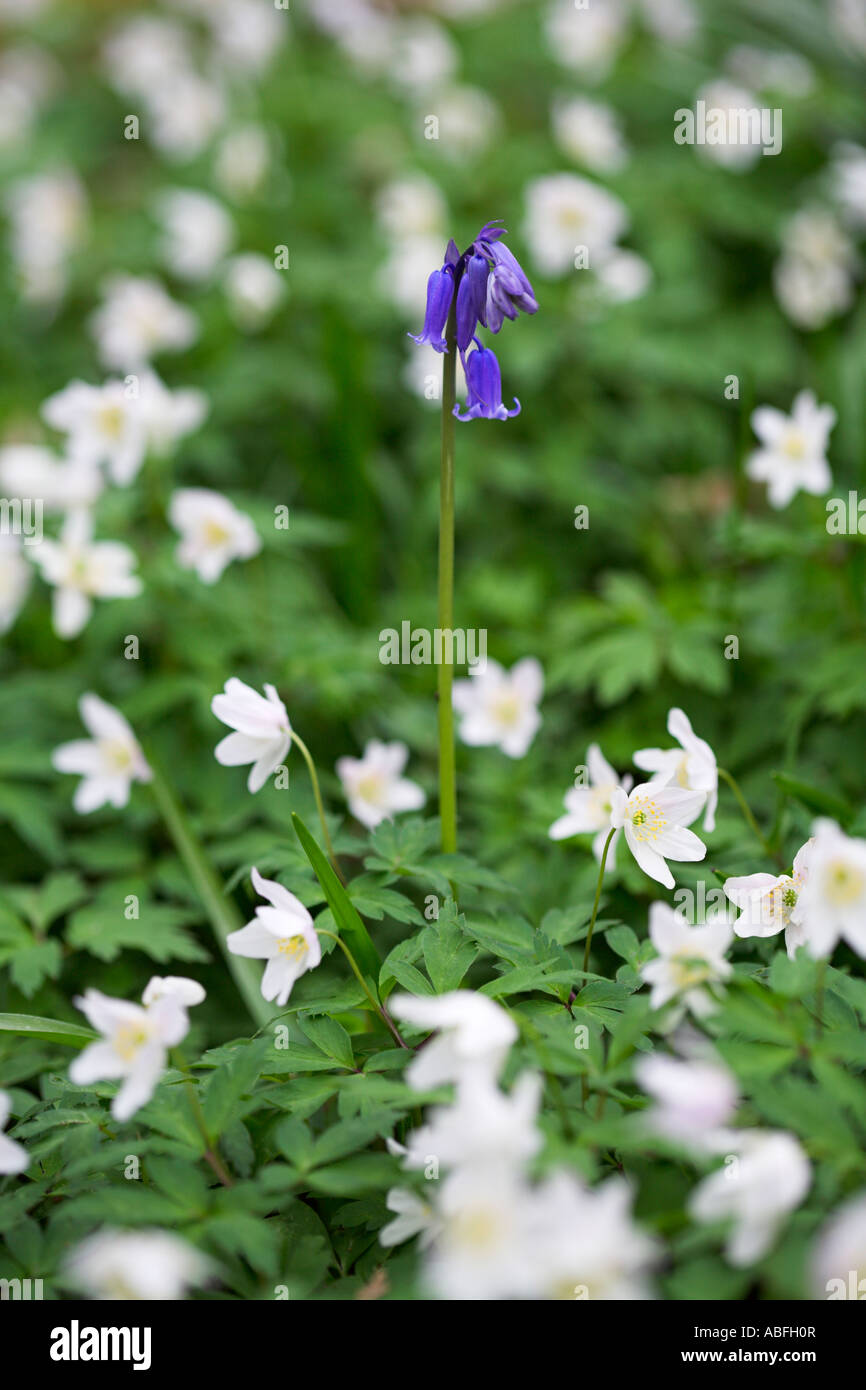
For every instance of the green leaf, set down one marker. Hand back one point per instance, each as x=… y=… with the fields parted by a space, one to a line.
x=49 y=1029
x=349 y=924
x=331 y=1038
x=230 y=1082
x=815 y=799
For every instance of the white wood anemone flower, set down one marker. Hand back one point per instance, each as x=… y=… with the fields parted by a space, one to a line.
x=13 y=1156
x=483 y=1124
x=474 y=1034
x=108 y=762
x=692 y=765
x=373 y=785
x=838 y=1262
x=769 y=1176
x=831 y=905
x=135 y=1041
x=102 y=426
x=213 y=532
x=583 y=1242
x=588 y=808
x=695 y=1100
x=500 y=708
x=150 y=1265
x=691 y=965
x=767 y=901
x=262 y=734
x=412 y=1217
x=282 y=934
x=15 y=577
x=793 y=449
x=81 y=569
x=654 y=817
x=138 y=319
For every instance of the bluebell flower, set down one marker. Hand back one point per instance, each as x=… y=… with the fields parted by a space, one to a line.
x=440 y=291
x=485 y=387
x=491 y=287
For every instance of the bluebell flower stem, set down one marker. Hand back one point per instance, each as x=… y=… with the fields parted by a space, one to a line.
x=445 y=674
x=320 y=806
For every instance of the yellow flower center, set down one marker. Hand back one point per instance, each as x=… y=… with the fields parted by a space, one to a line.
x=794 y=445
x=689 y=970
x=214 y=533
x=478 y=1228
x=507 y=708
x=116 y=755
x=647 y=818
x=129 y=1039
x=111 y=420
x=292 y=946
x=844 y=884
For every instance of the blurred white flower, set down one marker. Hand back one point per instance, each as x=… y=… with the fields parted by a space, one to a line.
x=588 y=808
x=283 y=934
x=47 y=219
x=769 y=1177
x=364 y=33
x=474 y=1034
x=248 y=34
x=403 y=277
x=168 y=416
x=814 y=277
x=423 y=55
x=695 y=1099
x=468 y=122
x=262 y=734
x=692 y=765
x=767 y=902
x=499 y=707
x=139 y=319
x=185 y=113
x=691 y=960
x=254 y=289
x=654 y=816
x=144 y=51
x=623 y=276
x=81 y=569
x=13 y=1156
x=848 y=176
x=793 y=453
x=762 y=69
x=413 y=206
x=197 y=232
x=728 y=97
x=831 y=905
x=483 y=1125
x=849 y=18
x=373 y=785
x=15 y=576
x=148 y=1265
x=590 y=133
x=213 y=532
x=838 y=1262
x=588 y=39
x=582 y=1243
x=482 y=1249
x=565 y=213
x=27 y=77
x=102 y=425
x=241 y=161
x=674 y=21
x=188 y=992
x=108 y=762
x=31 y=470
x=134 y=1046
x=413 y=1217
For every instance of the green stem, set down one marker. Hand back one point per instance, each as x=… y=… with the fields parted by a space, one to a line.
x=380 y=1008
x=747 y=813
x=320 y=806
x=819 y=997
x=223 y=915
x=610 y=836
x=445 y=672
x=198 y=1115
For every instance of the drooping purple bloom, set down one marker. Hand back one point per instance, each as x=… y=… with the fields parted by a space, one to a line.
x=440 y=291
x=485 y=387
x=491 y=287
x=471 y=299
x=508 y=290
